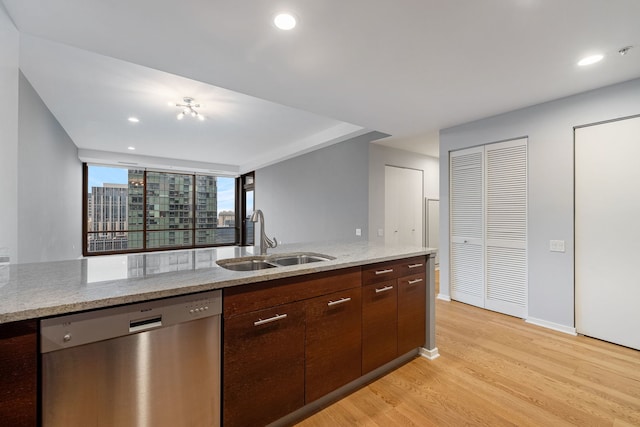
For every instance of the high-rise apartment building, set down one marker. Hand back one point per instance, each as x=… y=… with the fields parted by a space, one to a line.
x=107 y=218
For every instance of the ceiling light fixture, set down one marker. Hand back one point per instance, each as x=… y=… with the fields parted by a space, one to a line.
x=131 y=148
x=589 y=60
x=133 y=119
x=285 y=21
x=189 y=108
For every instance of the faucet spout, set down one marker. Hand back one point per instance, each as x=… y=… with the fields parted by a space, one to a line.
x=265 y=242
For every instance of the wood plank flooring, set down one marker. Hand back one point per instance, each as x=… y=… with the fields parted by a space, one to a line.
x=497 y=370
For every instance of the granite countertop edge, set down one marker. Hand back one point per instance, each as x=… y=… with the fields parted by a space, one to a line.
x=38 y=290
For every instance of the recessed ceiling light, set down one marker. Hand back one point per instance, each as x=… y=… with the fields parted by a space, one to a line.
x=131 y=148
x=590 y=60
x=285 y=21
x=134 y=119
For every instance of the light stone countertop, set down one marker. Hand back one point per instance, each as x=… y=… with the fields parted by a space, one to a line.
x=29 y=291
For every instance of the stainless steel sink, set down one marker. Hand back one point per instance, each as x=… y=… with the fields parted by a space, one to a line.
x=240 y=264
x=276 y=260
x=298 y=259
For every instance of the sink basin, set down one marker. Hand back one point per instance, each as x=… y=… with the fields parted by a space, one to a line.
x=245 y=265
x=271 y=261
x=298 y=259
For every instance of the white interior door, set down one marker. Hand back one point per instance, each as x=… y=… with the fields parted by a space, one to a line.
x=403 y=206
x=467 y=226
x=607 y=231
x=506 y=227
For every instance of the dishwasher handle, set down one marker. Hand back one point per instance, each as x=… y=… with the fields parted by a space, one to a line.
x=144 y=324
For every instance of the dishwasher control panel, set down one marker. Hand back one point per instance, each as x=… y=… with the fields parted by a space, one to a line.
x=72 y=330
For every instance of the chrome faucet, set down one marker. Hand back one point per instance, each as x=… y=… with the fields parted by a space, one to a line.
x=265 y=242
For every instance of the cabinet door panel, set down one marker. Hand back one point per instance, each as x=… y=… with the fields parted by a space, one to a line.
x=333 y=342
x=379 y=324
x=263 y=375
x=411 y=312
x=18 y=374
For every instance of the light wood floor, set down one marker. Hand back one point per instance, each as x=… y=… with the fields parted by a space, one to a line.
x=497 y=370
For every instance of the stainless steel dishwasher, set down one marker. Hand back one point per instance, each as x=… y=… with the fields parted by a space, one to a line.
x=155 y=363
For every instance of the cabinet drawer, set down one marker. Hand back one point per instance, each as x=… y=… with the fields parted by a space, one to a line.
x=380 y=272
x=257 y=296
x=263 y=367
x=333 y=342
x=412 y=266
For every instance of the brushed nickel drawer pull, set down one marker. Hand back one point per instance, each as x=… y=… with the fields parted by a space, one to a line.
x=415 y=265
x=385 y=289
x=340 y=301
x=413 y=282
x=270 y=319
x=390 y=270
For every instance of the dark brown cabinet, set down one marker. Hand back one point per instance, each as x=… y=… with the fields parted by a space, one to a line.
x=266 y=330
x=19 y=374
x=263 y=365
x=411 y=312
x=379 y=324
x=289 y=342
x=393 y=310
x=333 y=342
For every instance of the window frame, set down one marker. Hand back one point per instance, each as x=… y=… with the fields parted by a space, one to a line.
x=193 y=230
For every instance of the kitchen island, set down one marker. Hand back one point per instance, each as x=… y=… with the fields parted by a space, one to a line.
x=29 y=292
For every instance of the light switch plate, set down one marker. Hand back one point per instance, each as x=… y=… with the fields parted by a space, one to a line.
x=358 y=232
x=556 y=245
x=380 y=232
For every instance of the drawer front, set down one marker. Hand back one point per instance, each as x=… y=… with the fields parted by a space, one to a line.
x=257 y=296
x=381 y=272
x=412 y=266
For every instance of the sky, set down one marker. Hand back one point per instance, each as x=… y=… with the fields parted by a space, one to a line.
x=98 y=175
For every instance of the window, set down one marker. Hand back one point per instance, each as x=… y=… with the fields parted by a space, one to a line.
x=135 y=210
x=247 y=188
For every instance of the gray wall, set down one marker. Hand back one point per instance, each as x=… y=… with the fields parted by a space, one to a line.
x=381 y=156
x=49 y=184
x=319 y=196
x=8 y=138
x=549 y=127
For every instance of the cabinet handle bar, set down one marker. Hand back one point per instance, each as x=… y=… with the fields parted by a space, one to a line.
x=413 y=282
x=340 y=301
x=415 y=265
x=390 y=270
x=385 y=289
x=270 y=319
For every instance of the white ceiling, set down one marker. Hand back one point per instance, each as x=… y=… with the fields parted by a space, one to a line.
x=406 y=68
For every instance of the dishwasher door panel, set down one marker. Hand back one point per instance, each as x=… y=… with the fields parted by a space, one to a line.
x=162 y=377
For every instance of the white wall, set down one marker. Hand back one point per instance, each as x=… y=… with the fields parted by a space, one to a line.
x=319 y=196
x=8 y=137
x=49 y=184
x=381 y=156
x=549 y=127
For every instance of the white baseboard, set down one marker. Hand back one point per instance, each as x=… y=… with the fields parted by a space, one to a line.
x=550 y=325
x=444 y=297
x=429 y=354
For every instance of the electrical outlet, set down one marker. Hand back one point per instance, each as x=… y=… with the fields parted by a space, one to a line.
x=556 y=245
x=380 y=232
x=358 y=232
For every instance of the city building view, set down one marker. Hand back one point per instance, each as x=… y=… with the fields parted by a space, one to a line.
x=181 y=211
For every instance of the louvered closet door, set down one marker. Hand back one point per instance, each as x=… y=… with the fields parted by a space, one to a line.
x=506 y=227
x=466 y=225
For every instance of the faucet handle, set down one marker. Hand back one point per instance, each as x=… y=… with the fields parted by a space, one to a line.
x=274 y=244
